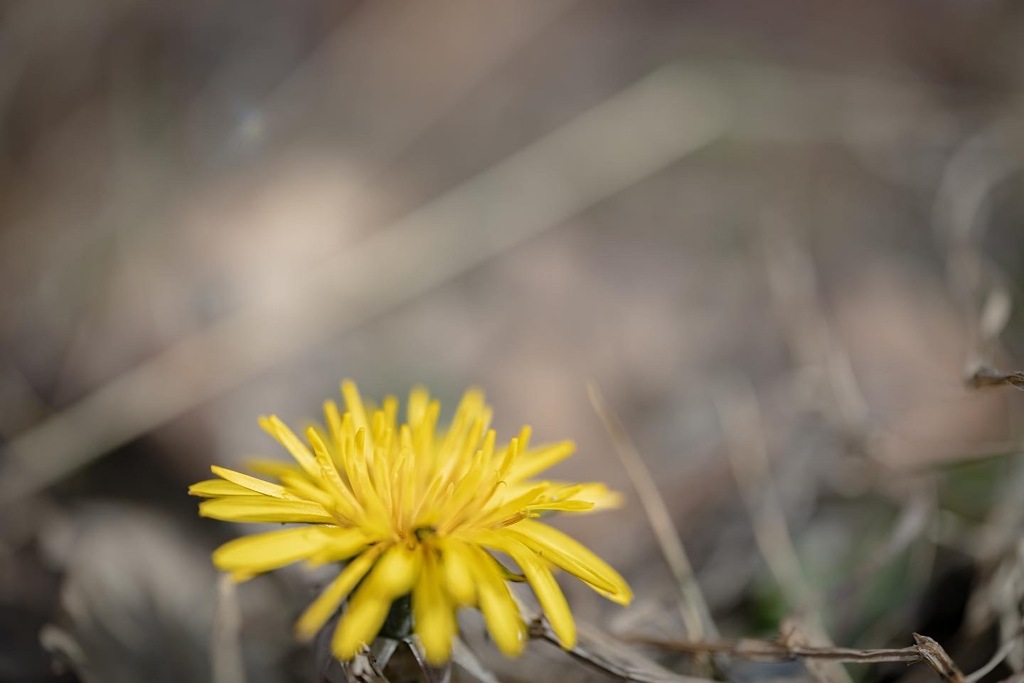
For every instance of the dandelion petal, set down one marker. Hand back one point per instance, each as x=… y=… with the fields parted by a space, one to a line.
x=262 y=552
x=566 y=552
x=457 y=563
x=543 y=583
x=360 y=623
x=263 y=509
x=317 y=614
x=501 y=613
x=254 y=484
x=433 y=614
x=214 y=488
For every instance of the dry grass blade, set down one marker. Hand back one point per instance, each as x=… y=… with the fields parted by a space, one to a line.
x=997 y=658
x=919 y=510
x=225 y=648
x=470 y=667
x=796 y=301
x=740 y=417
x=693 y=607
x=610 y=656
x=431 y=673
x=633 y=134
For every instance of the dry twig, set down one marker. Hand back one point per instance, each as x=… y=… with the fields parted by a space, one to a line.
x=773 y=651
x=924 y=649
x=937 y=659
x=692 y=606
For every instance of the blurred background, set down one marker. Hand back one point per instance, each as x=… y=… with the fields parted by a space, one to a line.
x=777 y=238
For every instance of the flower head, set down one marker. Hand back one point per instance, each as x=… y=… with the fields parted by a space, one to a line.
x=416 y=510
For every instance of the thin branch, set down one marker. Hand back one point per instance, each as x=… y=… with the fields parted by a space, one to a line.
x=774 y=651
x=692 y=606
x=924 y=650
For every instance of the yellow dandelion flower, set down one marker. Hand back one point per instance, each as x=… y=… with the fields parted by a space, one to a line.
x=413 y=510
